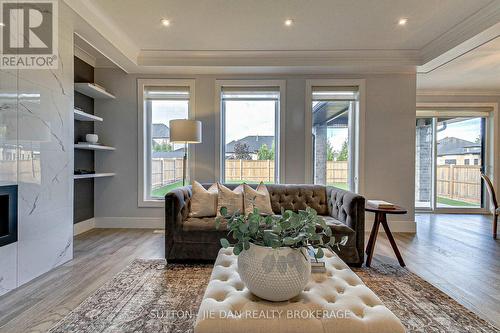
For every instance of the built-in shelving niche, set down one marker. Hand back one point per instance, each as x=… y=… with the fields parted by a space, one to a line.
x=86 y=91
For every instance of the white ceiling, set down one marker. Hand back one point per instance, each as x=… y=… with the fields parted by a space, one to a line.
x=249 y=36
x=258 y=24
x=477 y=70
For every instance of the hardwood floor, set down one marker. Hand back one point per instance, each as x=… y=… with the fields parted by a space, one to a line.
x=456 y=253
x=98 y=255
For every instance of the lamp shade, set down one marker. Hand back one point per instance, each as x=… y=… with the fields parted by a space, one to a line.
x=185 y=131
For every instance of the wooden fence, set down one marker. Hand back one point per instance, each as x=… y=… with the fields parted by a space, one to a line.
x=165 y=171
x=459 y=182
x=263 y=170
x=250 y=170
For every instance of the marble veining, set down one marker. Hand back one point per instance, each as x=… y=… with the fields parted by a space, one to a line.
x=36 y=153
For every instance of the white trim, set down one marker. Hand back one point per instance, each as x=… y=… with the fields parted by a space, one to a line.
x=130 y=222
x=395 y=226
x=85 y=56
x=425 y=92
x=281 y=128
x=359 y=126
x=142 y=158
x=477 y=29
x=84 y=226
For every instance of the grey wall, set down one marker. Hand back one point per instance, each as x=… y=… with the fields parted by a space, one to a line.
x=389 y=144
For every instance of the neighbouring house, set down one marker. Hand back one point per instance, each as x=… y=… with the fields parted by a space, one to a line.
x=160 y=134
x=455 y=151
x=253 y=142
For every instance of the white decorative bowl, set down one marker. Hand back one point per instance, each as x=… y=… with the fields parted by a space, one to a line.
x=91 y=138
x=274 y=274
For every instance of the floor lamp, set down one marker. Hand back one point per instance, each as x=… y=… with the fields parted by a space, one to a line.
x=185 y=131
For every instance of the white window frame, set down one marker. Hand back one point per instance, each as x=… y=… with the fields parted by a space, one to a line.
x=357 y=129
x=280 y=123
x=491 y=162
x=144 y=137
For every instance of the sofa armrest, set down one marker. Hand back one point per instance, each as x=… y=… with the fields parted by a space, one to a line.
x=349 y=208
x=176 y=208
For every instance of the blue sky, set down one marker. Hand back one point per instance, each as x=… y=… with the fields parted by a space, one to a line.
x=467 y=129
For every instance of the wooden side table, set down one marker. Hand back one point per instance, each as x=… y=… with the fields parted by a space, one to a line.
x=381 y=218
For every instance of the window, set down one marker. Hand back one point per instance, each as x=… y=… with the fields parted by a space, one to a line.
x=162 y=101
x=250 y=127
x=446 y=146
x=333 y=117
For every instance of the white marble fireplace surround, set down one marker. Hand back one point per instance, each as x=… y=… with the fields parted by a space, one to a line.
x=36 y=153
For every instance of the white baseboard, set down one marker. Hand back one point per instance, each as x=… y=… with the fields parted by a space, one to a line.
x=130 y=222
x=395 y=226
x=84 y=226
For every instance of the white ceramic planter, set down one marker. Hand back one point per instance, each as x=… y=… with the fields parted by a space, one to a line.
x=274 y=274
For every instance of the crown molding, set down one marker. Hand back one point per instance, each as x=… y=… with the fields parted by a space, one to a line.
x=428 y=92
x=94 y=19
x=373 y=61
x=478 y=22
x=85 y=56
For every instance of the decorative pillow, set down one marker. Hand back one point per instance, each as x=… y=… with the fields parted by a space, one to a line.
x=258 y=198
x=203 y=202
x=232 y=200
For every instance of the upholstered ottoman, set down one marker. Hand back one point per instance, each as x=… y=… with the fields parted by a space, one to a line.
x=335 y=301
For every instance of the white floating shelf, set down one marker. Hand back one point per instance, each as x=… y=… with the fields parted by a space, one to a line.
x=94 y=175
x=91 y=90
x=89 y=146
x=84 y=116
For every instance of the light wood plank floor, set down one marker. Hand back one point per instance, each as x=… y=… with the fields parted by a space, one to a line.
x=453 y=252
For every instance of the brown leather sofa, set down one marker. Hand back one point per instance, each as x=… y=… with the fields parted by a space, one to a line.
x=188 y=238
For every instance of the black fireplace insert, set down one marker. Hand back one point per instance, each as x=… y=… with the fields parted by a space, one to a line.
x=8 y=214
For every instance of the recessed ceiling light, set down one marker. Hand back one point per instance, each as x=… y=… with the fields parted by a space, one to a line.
x=2 y=24
x=165 y=22
x=288 y=22
x=403 y=21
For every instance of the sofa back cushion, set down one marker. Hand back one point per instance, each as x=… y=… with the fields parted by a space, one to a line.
x=294 y=196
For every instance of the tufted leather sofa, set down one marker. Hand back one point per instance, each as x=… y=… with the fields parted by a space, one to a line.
x=188 y=238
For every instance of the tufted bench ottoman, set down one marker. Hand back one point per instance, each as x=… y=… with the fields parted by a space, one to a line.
x=335 y=301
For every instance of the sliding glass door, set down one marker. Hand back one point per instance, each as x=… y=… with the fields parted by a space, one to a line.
x=450 y=156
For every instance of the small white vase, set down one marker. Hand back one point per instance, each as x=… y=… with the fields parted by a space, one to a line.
x=274 y=274
x=91 y=138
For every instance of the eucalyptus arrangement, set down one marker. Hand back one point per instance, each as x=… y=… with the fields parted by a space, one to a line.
x=304 y=229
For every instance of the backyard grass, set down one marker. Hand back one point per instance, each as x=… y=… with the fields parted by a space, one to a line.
x=455 y=203
x=160 y=192
x=343 y=186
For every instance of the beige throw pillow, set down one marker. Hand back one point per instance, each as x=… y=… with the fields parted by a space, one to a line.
x=232 y=200
x=203 y=202
x=258 y=198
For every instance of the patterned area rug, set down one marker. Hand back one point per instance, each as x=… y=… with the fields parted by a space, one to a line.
x=150 y=296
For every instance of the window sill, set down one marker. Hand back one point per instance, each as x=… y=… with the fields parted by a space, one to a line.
x=160 y=203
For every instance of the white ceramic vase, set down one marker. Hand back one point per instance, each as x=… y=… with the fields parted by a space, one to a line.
x=274 y=274
x=91 y=138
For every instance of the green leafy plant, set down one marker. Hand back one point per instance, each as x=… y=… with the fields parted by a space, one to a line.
x=304 y=229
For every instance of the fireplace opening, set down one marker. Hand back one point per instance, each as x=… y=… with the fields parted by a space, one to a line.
x=4 y=215
x=8 y=214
